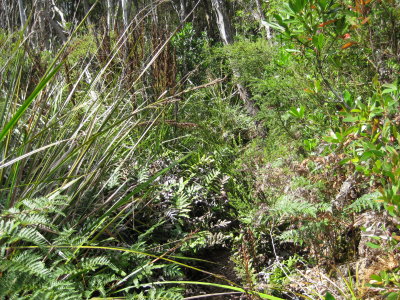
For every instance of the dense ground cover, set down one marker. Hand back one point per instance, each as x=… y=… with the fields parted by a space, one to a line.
x=211 y=149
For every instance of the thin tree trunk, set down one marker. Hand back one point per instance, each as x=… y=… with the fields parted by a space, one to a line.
x=136 y=4
x=126 y=6
x=6 y=15
x=263 y=20
x=154 y=12
x=110 y=22
x=226 y=33
x=223 y=23
x=43 y=34
x=59 y=30
x=183 y=9
x=60 y=13
x=22 y=14
x=86 y=8
x=180 y=8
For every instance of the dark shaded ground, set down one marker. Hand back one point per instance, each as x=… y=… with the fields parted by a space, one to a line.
x=221 y=265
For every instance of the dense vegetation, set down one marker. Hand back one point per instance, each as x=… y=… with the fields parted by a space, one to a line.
x=212 y=149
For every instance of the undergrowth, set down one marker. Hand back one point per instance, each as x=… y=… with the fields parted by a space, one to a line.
x=132 y=168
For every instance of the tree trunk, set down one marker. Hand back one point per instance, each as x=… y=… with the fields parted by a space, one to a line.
x=126 y=7
x=136 y=4
x=43 y=34
x=56 y=9
x=58 y=29
x=262 y=20
x=7 y=19
x=110 y=23
x=183 y=9
x=226 y=33
x=223 y=22
x=22 y=14
x=87 y=8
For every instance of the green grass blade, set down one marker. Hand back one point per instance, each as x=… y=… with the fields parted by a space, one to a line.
x=13 y=161
x=27 y=102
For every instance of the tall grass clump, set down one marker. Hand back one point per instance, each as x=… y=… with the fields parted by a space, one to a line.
x=67 y=133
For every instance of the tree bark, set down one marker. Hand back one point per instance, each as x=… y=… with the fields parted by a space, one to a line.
x=263 y=20
x=87 y=8
x=181 y=8
x=126 y=8
x=223 y=23
x=110 y=23
x=58 y=29
x=136 y=4
x=22 y=14
x=43 y=34
x=226 y=33
x=8 y=19
x=60 y=13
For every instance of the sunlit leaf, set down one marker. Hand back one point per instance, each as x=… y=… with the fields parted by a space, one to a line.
x=372 y=245
x=329 y=296
x=349 y=44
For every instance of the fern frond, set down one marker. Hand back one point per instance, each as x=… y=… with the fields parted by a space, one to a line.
x=57 y=290
x=159 y=294
x=172 y=271
x=98 y=283
x=26 y=263
x=13 y=232
x=287 y=206
x=365 y=202
x=28 y=234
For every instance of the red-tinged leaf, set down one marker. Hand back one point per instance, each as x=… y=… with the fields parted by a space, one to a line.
x=326 y=23
x=346 y=36
x=359 y=5
x=396 y=237
x=365 y=20
x=347 y=45
x=309 y=91
x=313 y=7
x=351 y=8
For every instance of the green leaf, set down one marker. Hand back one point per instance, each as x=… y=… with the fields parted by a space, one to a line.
x=318 y=41
x=324 y=4
x=393 y=296
x=341 y=26
x=297 y=5
x=366 y=155
x=372 y=245
x=329 y=296
x=276 y=26
x=351 y=119
x=348 y=98
x=281 y=22
x=293 y=50
x=389 y=88
x=344 y=161
x=297 y=112
x=376 y=277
